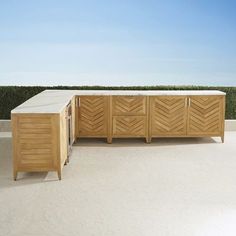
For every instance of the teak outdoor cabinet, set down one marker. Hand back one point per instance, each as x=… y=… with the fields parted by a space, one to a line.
x=45 y=126
x=151 y=116
x=187 y=116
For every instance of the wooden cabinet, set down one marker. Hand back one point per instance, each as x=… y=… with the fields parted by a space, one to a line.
x=205 y=115
x=129 y=117
x=168 y=116
x=92 y=116
x=151 y=116
x=40 y=141
x=187 y=116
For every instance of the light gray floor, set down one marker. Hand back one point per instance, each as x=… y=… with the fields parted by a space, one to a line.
x=172 y=187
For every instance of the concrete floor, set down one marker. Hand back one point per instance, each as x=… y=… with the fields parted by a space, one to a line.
x=172 y=187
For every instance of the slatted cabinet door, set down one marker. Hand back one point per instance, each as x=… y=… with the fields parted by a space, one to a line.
x=168 y=116
x=93 y=116
x=206 y=116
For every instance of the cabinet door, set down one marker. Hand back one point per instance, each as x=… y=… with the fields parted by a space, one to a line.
x=206 y=115
x=129 y=126
x=93 y=116
x=129 y=105
x=168 y=116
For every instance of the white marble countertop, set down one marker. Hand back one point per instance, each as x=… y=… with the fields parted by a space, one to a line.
x=53 y=101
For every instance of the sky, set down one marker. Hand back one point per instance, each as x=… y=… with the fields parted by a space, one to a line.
x=113 y=43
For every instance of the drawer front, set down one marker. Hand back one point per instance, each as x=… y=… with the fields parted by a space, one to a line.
x=129 y=126
x=129 y=105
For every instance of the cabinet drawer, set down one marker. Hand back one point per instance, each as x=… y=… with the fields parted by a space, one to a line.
x=129 y=105
x=129 y=126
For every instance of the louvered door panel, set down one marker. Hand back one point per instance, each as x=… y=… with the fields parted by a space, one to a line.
x=129 y=105
x=93 y=116
x=168 y=116
x=205 y=115
x=129 y=126
x=37 y=146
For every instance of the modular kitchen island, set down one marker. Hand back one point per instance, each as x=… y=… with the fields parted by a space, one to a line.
x=45 y=126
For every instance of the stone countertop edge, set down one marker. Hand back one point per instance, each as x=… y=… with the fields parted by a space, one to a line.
x=54 y=101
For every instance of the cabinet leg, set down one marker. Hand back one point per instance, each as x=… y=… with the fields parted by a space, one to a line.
x=109 y=140
x=148 y=139
x=15 y=175
x=223 y=139
x=66 y=161
x=59 y=174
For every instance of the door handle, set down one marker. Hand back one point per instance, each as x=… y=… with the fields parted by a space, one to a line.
x=78 y=102
x=189 y=102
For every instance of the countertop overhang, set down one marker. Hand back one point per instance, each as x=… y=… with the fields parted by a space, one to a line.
x=54 y=101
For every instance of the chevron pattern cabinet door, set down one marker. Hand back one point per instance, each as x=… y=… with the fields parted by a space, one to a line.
x=93 y=116
x=205 y=115
x=129 y=105
x=168 y=116
x=129 y=126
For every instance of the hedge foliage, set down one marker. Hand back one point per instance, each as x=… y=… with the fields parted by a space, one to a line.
x=12 y=96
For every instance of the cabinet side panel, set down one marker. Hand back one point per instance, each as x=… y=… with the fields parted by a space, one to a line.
x=35 y=142
x=63 y=138
x=73 y=107
x=223 y=119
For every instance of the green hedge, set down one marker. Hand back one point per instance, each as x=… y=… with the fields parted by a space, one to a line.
x=12 y=96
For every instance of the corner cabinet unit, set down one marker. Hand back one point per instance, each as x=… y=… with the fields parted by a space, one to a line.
x=187 y=116
x=45 y=127
x=42 y=141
